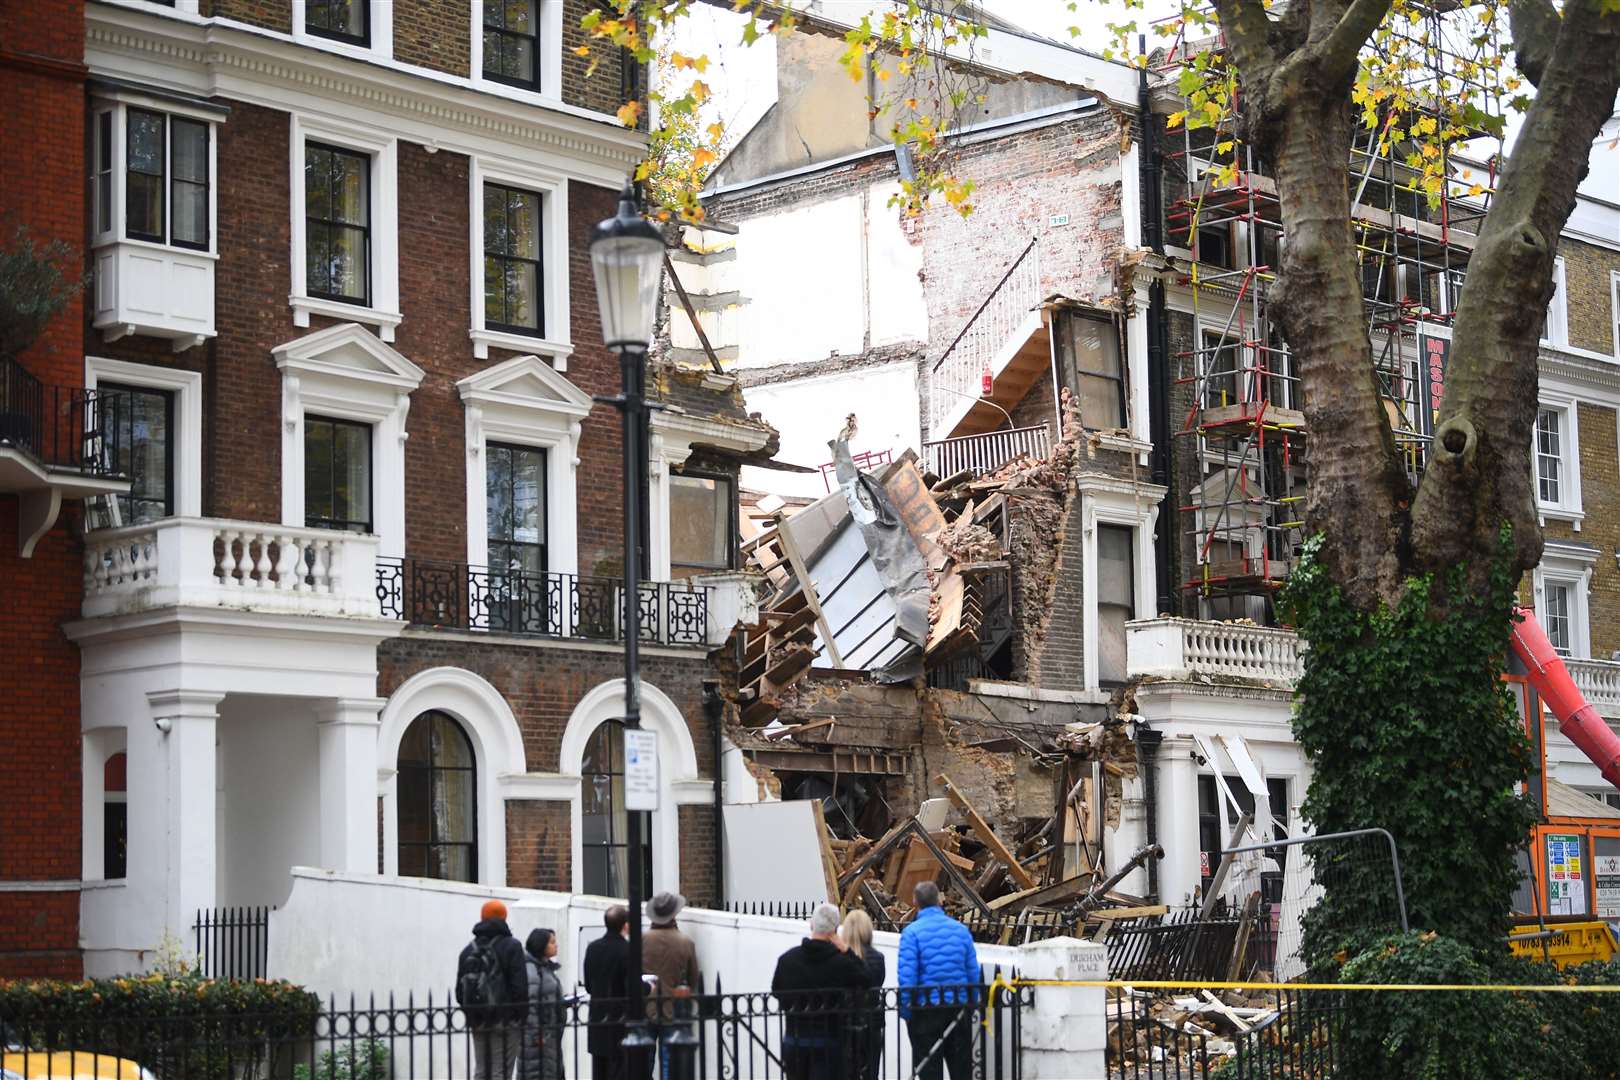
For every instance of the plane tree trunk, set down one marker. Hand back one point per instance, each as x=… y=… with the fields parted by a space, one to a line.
x=1405 y=596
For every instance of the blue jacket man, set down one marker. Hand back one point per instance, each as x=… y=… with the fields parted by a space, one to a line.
x=937 y=952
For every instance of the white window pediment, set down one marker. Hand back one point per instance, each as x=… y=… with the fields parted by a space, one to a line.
x=345 y=371
x=349 y=351
x=525 y=402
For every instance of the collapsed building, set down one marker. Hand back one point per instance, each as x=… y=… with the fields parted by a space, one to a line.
x=1072 y=411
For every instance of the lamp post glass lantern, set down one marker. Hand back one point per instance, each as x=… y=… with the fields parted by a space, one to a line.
x=627 y=255
x=627 y=258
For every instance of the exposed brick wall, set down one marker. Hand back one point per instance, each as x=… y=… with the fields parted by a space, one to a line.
x=270 y=14
x=1020 y=181
x=602 y=89
x=543 y=683
x=434 y=34
x=697 y=856
x=42 y=81
x=1058 y=662
x=1587 y=294
x=539 y=854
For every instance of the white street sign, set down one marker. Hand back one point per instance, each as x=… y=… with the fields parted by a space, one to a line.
x=640 y=770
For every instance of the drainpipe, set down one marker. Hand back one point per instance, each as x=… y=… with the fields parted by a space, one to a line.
x=1147 y=752
x=713 y=710
x=1164 y=540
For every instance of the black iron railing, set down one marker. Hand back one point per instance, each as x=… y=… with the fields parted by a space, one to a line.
x=759 y=1036
x=61 y=426
x=1180 y=946
x=1150 y=1038
x=233 y=943
x=456 y=596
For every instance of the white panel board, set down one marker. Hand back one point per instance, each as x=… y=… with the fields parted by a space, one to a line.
x=773 y=853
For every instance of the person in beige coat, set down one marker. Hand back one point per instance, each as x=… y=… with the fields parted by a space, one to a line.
x=670 y=957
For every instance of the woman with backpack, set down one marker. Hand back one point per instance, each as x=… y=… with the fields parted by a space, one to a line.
x=541 y=1057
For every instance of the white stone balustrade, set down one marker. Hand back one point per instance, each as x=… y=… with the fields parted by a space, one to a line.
x=1183 y=648
x=1599 y=682
x=247 y=566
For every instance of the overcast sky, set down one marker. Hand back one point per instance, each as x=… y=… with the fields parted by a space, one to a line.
x=743 y=78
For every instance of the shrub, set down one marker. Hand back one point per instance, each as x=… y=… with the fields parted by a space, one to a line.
x=171 y=1024
x=1463 y=1035
x=365 y=1061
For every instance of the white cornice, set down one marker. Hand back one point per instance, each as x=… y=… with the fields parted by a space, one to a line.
x=214 y=58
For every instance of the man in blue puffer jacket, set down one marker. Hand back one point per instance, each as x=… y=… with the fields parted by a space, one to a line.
x=938 y=979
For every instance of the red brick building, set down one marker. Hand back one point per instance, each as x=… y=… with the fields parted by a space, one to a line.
x=358 y=608
x=43 y=472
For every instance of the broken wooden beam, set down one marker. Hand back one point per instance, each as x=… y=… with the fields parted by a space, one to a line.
x=988 y=835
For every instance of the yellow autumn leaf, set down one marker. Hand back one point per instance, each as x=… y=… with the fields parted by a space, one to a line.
x=681 y=62
x=884 y=75
x=700 y=91
x=1176 y=119
x=582 y=50
x=702 y=157
x=716 y=130
x=629 y=113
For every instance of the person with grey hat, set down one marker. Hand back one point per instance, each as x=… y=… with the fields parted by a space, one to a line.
x=670 y=957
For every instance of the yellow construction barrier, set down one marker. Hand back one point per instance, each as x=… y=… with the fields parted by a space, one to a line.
x=1567 y=943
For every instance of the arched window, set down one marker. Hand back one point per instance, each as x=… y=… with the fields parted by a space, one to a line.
x=114 y=816
x=603 y=819
x=438 y=805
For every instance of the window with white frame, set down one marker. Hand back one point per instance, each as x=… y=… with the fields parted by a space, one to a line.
x=1614 y=312
x=1556 y=329
x=519 y=238
x=152 y=175
x=1549 y=455
x=517 y=46
x=522 y=434
x=154 y=432
x=1562 y=583
x=344 y=399
x=1117 y=524
x=345 y=230
x=1555 y=452
x=366 y=25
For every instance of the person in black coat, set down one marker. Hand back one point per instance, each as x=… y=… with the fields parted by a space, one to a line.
x=607 y=960
x=813 y=1044
x=497 y=1027
x=857 y=934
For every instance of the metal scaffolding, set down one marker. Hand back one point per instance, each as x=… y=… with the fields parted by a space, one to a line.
x=1242 y=408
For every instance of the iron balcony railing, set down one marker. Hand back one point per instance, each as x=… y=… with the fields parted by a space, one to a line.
x=457 y=596
x=60 y=426
x=980 y=454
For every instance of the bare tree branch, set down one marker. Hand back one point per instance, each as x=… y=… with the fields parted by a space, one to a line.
x=1535 y=25
x=1246 y=27
x=1337 y=54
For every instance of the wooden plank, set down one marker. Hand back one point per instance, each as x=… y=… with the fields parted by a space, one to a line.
x=1049 y=895
x=1240 y=947
x=829 y=863
x=1130 y=912
x=876 y=852
x=802 y=572
x=982 y=827
x=1001 y=902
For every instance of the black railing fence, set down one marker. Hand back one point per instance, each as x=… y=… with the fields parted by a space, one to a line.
x=758 y=1036
x=64 y=426
x=1178 y=945
x=458 y=596
x=233 y=942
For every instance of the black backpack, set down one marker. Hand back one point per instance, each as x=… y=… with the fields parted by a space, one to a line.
x=479 y=985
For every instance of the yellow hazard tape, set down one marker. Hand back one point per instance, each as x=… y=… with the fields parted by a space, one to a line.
x=1182 y=984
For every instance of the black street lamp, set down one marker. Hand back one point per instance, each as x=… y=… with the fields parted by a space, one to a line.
x=627 y=255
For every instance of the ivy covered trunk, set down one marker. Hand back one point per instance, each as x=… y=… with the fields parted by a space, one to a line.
x=1405 y=596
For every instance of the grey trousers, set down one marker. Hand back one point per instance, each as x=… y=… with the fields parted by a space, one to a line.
x=495 y=1051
